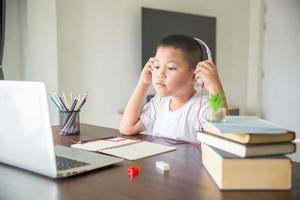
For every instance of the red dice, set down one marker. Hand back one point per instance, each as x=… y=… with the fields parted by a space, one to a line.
x=132 y=171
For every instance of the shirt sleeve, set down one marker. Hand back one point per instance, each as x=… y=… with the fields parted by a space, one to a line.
x=149 y=113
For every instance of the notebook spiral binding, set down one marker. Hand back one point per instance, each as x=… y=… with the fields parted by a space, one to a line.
x=119 y=146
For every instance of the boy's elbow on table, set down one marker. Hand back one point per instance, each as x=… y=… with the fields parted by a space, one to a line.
x=127 y=131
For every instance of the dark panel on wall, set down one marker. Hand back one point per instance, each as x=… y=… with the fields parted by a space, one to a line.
x=157 y=24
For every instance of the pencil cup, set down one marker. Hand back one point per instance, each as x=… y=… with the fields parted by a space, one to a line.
x=69 y=123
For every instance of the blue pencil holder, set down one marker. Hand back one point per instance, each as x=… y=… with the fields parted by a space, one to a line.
x=69 y=123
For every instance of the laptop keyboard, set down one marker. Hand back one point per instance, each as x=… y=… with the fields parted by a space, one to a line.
x=67 y=163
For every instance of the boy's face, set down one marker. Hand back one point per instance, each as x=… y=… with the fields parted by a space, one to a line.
x=172 y=75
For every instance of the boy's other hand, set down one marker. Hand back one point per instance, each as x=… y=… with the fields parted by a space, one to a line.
x=146 y=75
x=207 y=71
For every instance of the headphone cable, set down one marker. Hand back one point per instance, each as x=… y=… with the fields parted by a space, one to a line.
x=198 y=118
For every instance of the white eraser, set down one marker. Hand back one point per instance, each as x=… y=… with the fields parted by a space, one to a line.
x=162 y=165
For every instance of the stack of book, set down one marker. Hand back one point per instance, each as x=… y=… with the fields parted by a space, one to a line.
x=247 y=153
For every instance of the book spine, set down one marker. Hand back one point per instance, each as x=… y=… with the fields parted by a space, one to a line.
x=223 y=144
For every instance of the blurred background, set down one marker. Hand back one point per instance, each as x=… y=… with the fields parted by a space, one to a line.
x=96 y=46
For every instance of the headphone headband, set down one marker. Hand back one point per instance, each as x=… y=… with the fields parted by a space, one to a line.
x=207 y=50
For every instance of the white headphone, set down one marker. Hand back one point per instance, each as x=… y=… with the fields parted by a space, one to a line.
x=204 y=48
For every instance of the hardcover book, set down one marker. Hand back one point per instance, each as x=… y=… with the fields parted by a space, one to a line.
x=249 y=130
x=230 y=172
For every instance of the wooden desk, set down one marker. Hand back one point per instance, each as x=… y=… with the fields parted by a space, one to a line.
x=187 y=179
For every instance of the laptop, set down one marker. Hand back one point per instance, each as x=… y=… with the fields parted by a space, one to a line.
x=26 y=139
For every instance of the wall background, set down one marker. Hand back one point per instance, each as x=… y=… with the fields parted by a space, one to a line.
x=99 y=49
x=95 y=46
x=30 y=51
x=281 y=67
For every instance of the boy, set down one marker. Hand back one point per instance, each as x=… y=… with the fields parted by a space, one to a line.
x=175 y=111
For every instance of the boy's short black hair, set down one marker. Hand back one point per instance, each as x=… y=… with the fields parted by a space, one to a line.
x=188 y=45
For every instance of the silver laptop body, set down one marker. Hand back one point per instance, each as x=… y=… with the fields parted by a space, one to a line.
x=26 y=139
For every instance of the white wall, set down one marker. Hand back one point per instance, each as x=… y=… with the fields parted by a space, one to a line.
x=41 y=46
x=12 y=67
x=281 y=93
x=99 y=48
x=30 y=51
x=255 y=56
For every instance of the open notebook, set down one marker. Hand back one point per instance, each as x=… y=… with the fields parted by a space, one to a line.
x=125 y=148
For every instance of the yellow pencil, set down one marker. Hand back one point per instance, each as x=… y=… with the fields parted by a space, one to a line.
x=67 y=104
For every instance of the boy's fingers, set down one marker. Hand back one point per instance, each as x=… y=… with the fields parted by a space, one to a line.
x=203 y=66
x=208 y=62
x=198 y=68
x=150 y=61
x=202 y=70
x=209 y=66
x=153 y=59
x=148 y=68
x=206 y=65
x=205 y=71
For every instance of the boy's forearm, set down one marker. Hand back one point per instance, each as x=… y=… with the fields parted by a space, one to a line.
x=134 y=107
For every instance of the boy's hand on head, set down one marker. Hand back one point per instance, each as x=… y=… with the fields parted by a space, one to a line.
x=207 y=71
x=146 y=75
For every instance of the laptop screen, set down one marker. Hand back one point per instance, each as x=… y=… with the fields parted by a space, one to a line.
x=25 y=132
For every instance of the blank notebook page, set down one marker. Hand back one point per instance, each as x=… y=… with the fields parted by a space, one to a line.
x=104 y=144
x=139 y=150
